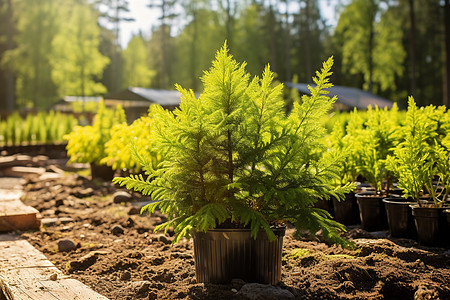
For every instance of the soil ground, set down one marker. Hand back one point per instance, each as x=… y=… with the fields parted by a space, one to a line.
x=140 y=264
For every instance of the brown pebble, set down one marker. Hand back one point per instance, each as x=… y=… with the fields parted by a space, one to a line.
x=53 y=277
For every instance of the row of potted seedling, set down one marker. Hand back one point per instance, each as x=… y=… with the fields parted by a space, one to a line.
x=107 y=144
x=406 y=159
x=40 y=128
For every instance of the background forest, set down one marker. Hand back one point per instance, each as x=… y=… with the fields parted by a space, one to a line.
x=53 y=48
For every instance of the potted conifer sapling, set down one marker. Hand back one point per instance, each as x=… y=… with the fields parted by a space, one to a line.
x=342 y=140
x=416 y=163
x=236 y=168
x=379 y=138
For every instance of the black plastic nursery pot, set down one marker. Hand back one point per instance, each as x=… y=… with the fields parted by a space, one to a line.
x=346 y=211
x=325 y=205
x=224 y=254
x=102 y=172
x=431 y=225
x=400 y=218
x=372 y=212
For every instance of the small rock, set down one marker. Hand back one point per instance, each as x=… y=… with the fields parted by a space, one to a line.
x=257 y=291
x=162 y=238
x=53 y=277
x=130 y=223
x=237 y=283
x=134 y=210
x=121 y=196
x=125 y=276
x=66 y=245
x=234 y=290
x=117 y=230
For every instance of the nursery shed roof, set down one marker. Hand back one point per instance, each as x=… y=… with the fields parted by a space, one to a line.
x=348 y=96
x=142 y=96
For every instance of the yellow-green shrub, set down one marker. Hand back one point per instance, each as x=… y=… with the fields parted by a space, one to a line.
x=86 y=144
x=139 y=133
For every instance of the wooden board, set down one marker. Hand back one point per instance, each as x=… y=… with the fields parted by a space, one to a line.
x=14 y=215
x=22 y=171
x=9 y=194
x=28 y=274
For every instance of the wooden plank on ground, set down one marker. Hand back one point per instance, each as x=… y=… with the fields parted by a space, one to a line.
x=30 y=275
x=14 y=215
x=22 y=171
x=10 y=194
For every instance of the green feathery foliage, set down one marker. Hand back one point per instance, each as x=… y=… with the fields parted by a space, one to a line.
x=43 y=127
x=378 y=140
x=86 y=144
x=233 y=154
x=412 y=159
x=118 y=151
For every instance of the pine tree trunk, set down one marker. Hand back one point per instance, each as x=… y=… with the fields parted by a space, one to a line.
x=288 y=48
x=412 y=47
x=229 y=25
x=10 y=97
x=447 y=54
x=308 y=65
x=117 y=51
x=371 y=45
x=194 y=49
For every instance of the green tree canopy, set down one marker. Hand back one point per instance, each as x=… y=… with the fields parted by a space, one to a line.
x=196 y=43
x=371 y=40
x=37 y=25
x=136 y=71
x=76 y=61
